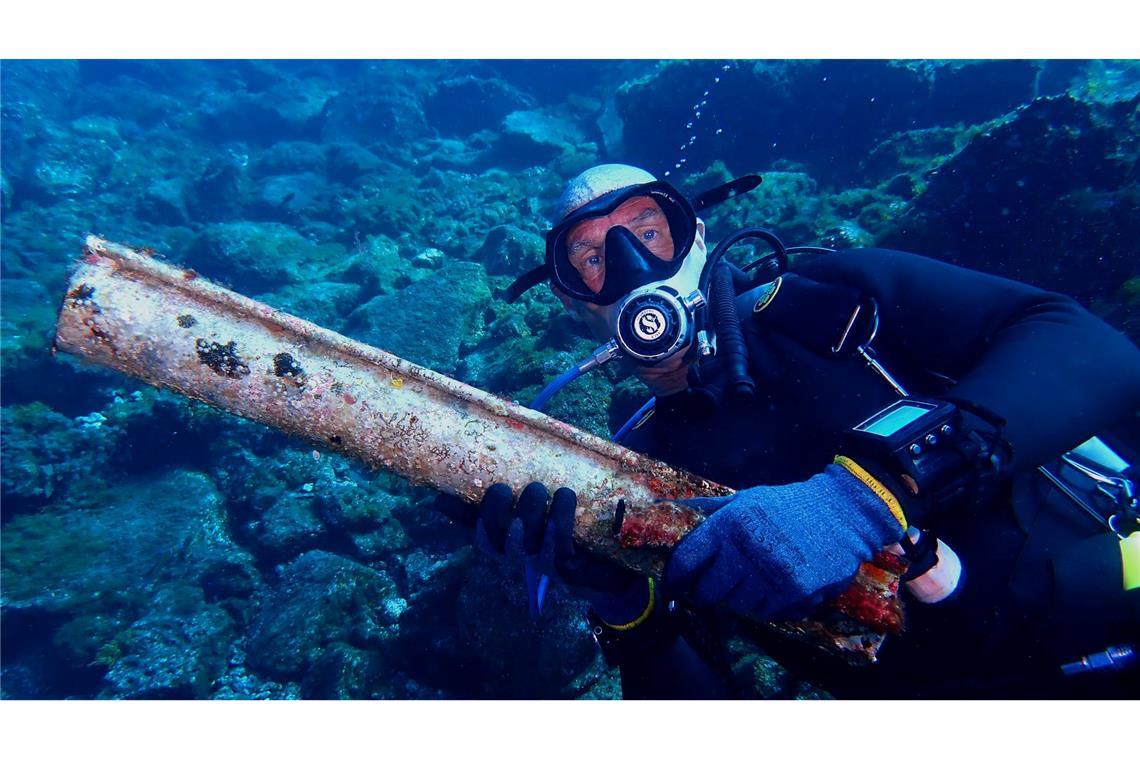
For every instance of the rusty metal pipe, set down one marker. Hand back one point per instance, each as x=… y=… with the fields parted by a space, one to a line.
x=131 y=312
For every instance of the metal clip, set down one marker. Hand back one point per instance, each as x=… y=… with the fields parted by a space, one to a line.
x=1119 y=490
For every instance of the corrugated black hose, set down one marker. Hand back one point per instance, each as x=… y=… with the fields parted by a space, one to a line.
x=730 y=340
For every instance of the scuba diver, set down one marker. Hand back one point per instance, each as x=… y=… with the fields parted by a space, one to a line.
x=856 y=400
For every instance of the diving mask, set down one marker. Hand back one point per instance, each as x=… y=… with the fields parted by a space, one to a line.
x=647 y=231
x=652 y=288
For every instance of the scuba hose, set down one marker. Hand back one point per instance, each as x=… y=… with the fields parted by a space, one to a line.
x=726 y=320
x=634 y=420
x=557 y=384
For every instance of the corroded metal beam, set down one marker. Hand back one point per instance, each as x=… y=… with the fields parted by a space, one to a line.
x=129 y=311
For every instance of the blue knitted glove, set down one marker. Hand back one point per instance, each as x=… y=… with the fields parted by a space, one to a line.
x=774 y=552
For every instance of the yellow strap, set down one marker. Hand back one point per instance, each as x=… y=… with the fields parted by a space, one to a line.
x=1130 y=561
x=876 y=487
x=643 y=616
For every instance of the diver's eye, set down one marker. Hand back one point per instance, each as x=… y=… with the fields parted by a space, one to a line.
x=649 y=235
x=594 y=260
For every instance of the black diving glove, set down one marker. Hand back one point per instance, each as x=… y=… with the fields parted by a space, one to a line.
x=620 y=597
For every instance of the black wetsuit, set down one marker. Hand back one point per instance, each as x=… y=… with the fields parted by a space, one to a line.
x=1056 y=374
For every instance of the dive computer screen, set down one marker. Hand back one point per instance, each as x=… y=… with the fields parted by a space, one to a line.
x=895 y=417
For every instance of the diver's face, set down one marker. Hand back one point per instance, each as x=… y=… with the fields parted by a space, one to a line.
x=667 y=377
x=586 y=243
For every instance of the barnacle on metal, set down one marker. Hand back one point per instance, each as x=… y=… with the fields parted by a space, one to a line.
x=128 y=310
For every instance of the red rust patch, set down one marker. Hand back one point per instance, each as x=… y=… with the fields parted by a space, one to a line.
x=349 y=398
x=872 y=599
x=658 y=526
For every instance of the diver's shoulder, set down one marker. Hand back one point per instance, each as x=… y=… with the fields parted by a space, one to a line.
x=872 y=258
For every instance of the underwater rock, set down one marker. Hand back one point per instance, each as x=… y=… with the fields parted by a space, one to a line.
x=53 y=180
x=345 y=672
x=292 y=110
x=290 y=526
x=788 y=202
x=378 y=110
x=164 y=202
x=346 y=162
x=26 y=323
x=286 y=197
x=144 y=532
x=364 y=512
x=258 y=255
x=458 y=155
x=584 y=403
x=288 y=157
x=220 y=191
x=506 y=367
x=323 y=303
x=144 y=548
x=46 y=455
x=533 y=138
x=429 y=258
x=49 y=84
x=915 y=150
x=755 y=675
x=468 y=631
x=511 y=251
x=374 y=264
x=1045 y=196
x=467 y=104
x=825 y=114
x=175 y=652
x=323 y=602
x=427 y=321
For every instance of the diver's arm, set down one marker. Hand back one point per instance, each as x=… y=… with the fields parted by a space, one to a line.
x=1052 y=370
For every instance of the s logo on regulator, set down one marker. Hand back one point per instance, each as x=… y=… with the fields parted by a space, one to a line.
x=649 y=324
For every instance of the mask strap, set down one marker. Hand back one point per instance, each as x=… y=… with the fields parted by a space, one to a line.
x=722 y=193
x=525 y=282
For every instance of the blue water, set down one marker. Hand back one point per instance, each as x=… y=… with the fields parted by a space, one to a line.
x=154 y=547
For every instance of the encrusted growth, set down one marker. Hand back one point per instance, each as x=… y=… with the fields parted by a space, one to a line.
x=284 y=365
x=222 y=359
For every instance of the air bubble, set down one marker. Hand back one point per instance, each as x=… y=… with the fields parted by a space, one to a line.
x=698 y=114
x=676 y=166
x=705 y=94
x=719 y=131
x=692 y=139
x=716 y=79
x=689 y=125
x=724 y=67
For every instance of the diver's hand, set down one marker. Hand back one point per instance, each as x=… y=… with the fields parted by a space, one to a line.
x=774 y=552
x=617 y=594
